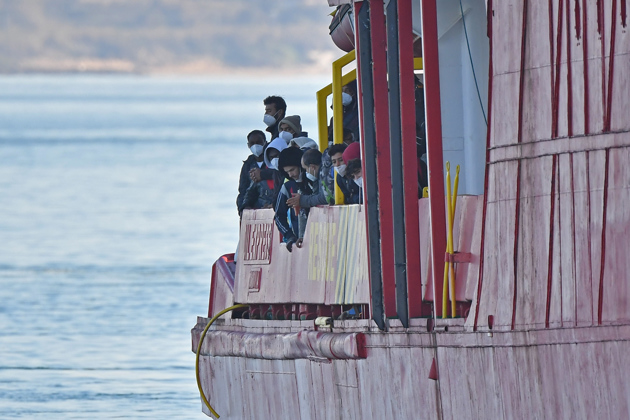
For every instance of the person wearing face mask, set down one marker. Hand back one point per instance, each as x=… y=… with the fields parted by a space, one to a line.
x=275 y=111
x=286 y=218
x=256 y=142
x=290 y=128
x=350 y=113
x=346 y=184
x=311 y=164
x=354 y=172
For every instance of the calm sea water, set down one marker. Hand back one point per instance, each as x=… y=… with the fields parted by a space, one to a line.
x=116 y=195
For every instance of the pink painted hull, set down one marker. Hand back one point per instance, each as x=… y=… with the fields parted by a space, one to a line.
x=564 y=373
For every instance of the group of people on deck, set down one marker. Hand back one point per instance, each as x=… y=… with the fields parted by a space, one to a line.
x=288 y=172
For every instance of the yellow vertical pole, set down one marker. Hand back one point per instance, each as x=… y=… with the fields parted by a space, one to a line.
x=452 y=246
x=337 y=84
x=322 y=116
x=448 y=241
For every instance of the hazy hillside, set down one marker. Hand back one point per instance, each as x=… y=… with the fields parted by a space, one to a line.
x=163 y=35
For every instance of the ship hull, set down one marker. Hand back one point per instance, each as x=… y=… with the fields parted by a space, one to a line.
x=564 y=373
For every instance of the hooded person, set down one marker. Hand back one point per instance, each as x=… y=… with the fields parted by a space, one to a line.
x=271 y=155
x=290 y=167
x=345 y=180
x=304 y=143
x=290 y=127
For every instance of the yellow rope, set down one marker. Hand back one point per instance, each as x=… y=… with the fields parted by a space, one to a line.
x=203 y=335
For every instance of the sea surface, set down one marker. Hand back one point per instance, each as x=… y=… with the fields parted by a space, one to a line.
x=116 y=195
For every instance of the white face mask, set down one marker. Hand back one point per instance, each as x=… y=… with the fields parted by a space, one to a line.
x=346 y=99
x=269 y=120
x=359 y=182
x=311 y=177
x=257 y=149
x=274 y=163
x=341 y=170
x=286 y=136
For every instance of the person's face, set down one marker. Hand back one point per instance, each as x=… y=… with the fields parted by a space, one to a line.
x=271 y=109
x=337 y=159
x=286 y=127
x=357 y=174
x=255 y=139
x=272 y=153
x=311 y=169
x=292 y=171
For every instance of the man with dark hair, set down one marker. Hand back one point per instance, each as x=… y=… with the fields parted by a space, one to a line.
x=354 y=172
x=256 y=144
x=275 y=111
x=311 y=164
x=347 y=186
x=286 y=217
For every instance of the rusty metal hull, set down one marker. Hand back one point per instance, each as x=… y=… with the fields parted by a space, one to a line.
x=562 y=373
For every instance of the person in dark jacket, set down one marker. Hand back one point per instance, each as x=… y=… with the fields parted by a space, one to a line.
x=348 y=187
x=256 y=144
x=350 y=113
x=275 y=111
x=287 y=217
x=355 y=173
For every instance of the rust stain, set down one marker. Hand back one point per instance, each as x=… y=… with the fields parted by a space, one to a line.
x=585 y=62
x=556 y=84
x=603 y=243
x=551 y=231
x=578 y=28
x=611 y=65
x=569 y=75
x=573 y=235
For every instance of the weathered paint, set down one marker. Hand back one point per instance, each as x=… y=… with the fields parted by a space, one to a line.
x=540 y=373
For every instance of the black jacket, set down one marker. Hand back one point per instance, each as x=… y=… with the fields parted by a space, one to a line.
x=245 y=181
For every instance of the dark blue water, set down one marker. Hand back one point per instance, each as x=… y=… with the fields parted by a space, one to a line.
x=116 y=195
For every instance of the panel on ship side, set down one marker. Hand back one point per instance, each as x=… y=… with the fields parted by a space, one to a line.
x=576 y=46
x=497 y=292
x=596 y=173
x=537 y=82
x=533 y=250
x=566 y=266
x=596 y=82
x=621 y=77
x=582 y=241
x=616 y=299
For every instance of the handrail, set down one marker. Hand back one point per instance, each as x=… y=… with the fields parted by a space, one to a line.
x=334 y=89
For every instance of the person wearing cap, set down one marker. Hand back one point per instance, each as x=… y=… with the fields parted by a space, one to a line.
x=355 y=174
x=351 y=190
x=275 y=111
x=286 y=218
x=256 y=144
x=290 y=127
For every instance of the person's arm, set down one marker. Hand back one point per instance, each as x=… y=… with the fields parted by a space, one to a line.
x=312 y=200
x=243 y=184
x=250 y=197
x=281 y=216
